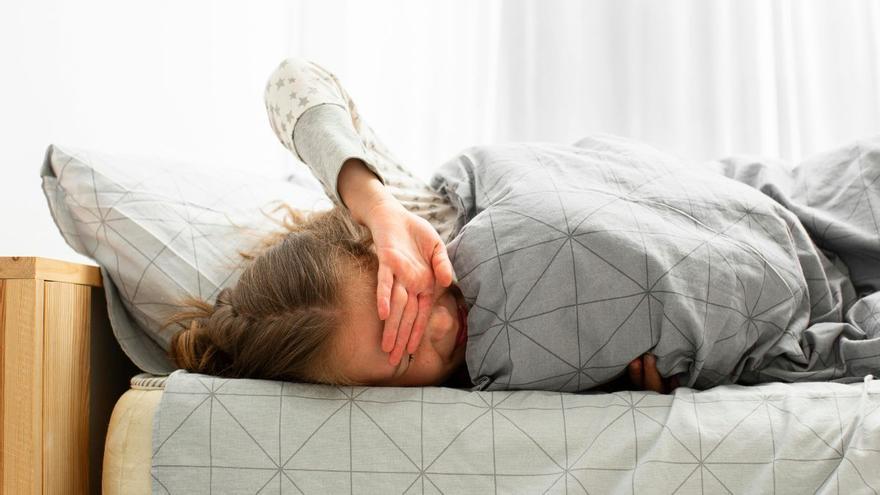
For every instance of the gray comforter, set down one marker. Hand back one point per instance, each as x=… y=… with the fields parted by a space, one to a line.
x=577 y=259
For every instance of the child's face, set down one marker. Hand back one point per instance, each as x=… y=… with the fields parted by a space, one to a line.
x=359 y=346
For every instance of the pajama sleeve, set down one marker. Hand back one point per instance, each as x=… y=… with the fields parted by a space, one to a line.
x=316 y=120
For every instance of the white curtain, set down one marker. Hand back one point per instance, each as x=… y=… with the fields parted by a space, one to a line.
x=701 y=79
x=184 y=80
x=177 y=80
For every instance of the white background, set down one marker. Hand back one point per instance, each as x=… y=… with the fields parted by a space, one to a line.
x=184 y=80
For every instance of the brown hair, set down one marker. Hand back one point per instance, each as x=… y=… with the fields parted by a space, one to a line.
x=278 y=320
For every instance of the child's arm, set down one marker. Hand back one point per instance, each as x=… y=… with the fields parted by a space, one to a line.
x=314 y=117
x=410 y=255
x=359 y=189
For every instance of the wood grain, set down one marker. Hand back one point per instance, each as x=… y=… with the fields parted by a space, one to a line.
x=61 y=372
x=34 y=267
x=66 y=388
x=22 y=379
x=2 y=374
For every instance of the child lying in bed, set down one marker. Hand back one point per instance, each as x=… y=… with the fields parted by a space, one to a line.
x=302 y=309
x=574 y=260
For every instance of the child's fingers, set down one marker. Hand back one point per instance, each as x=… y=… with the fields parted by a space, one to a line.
x=441 y=265
x=425 y=303
x=653 y=380
x=405 y=328
x=392 y=323
x=635 y=372
x=383 y=291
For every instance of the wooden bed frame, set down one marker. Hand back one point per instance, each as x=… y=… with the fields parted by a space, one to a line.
x=61 y=373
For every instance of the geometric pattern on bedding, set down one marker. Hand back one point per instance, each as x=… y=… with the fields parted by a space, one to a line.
x=578 y=259
x=161 y=230
x=214 y=434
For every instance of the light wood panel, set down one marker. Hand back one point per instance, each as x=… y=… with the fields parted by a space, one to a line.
x=66 y=388
x=61 y=372
x=2 y=374
x=22 y=386
x=31 y=267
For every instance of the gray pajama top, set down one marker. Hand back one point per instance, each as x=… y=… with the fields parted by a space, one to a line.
x=315 y=118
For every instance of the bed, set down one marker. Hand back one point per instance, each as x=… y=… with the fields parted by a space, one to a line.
x=254 y=436
x=191 y=433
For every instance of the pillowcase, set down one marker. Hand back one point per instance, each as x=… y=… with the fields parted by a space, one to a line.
x=161 y=230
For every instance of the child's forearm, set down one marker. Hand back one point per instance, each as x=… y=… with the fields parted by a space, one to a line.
x=360 y=190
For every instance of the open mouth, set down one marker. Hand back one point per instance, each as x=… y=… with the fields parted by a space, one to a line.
x=462 y=336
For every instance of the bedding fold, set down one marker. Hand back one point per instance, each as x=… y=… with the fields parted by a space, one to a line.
x=575 y=260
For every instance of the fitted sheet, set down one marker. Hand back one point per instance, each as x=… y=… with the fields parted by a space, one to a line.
x=244 y=436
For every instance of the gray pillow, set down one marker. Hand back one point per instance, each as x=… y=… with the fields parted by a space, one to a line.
x=577 y=259
x=161 y=230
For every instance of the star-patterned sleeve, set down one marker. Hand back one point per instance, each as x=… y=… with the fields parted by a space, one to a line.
x=315 y=118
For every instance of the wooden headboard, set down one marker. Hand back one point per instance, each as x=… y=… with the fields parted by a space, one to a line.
x=61 y=373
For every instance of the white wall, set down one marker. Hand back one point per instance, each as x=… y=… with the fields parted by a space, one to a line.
x=184 y=79
x=699 y=79
x=165 y=78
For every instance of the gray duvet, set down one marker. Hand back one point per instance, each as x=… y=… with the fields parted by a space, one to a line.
x=577 y=259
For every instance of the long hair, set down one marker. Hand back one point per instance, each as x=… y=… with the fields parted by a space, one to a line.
x=279 y=320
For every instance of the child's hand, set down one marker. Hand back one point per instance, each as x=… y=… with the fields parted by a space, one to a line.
x=643 y=375
x=412 y=258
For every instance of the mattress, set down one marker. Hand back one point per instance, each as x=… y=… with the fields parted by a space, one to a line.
x=204 y=434
x=127 y=448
